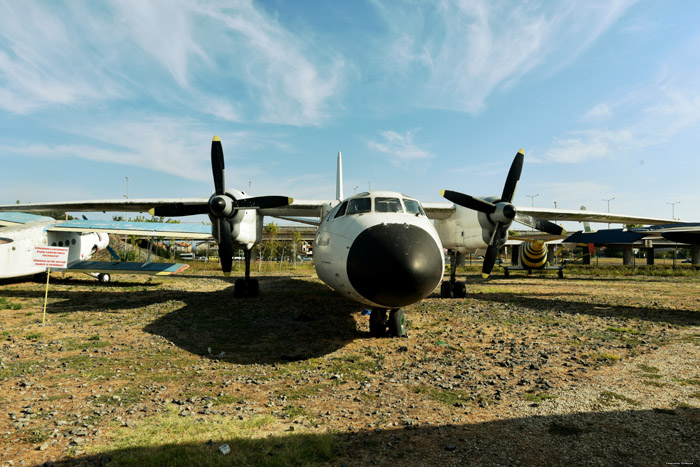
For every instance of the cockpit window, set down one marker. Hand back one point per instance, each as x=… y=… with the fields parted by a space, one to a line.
x=359 y=205
x=387 y=205
x=413 y=207
x=341 y=210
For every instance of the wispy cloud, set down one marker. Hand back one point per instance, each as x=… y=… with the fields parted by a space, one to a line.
x=469 y=50
x=400 y=148
x=592 y=144
x=232 y=61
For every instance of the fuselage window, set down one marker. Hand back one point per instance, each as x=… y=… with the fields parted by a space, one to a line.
x=413 y=207
x=341 y=210
x=359 y=205
x=387 y=205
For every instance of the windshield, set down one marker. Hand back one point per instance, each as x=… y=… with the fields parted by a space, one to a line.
x=359 y=205
x=387 y=205
x=413 y=207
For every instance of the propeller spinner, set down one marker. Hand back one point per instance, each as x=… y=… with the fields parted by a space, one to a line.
x=502 y=213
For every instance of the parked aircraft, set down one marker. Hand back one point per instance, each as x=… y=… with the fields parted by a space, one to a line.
x=20 y=233
x=379 y=248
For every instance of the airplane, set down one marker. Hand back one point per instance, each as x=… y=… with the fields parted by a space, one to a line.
x=380 y=248
x=531 y=255
x=20 y=233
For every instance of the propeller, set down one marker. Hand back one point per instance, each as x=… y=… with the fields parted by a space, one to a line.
x=502 y=212
x=221 y=207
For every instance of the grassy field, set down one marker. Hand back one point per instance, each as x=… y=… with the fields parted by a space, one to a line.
x=164 y=371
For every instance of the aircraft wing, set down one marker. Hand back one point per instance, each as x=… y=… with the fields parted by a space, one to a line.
x=124 y=267
x=110 y=205
x=15 y=218
x=588 y=216
x=147 y=229
x=439 y=210
x=682 y=233
x=300 y=208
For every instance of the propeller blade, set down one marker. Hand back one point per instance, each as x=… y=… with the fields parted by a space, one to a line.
x=540 y=224
x=513 y=177
x=225 y=246
x=217 y=166
x=262 y=202
x=179 y=209
x=470 y=202
x=492 y=252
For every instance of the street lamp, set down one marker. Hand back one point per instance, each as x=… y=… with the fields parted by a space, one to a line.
x=555 y=205
x=532 y=198
x=608 y=200
x=673 y=209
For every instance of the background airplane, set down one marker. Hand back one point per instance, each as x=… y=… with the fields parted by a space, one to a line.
x=20 y=233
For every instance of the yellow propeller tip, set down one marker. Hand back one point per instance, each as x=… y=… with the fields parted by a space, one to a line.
x=563 y=232
x=227 y=274
x=152 y=211
x=291 y=200
x=484 y=275
x=216 y=138
x=442 y=192
x=521 y=151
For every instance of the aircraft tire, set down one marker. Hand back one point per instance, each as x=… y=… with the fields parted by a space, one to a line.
x=446 y=290
x=377 y=322
x=239 y=288
x=104 y=278
x=397 y=323
x=460 y=290
x=506 y=273
x=253 y=287
x=560 y=274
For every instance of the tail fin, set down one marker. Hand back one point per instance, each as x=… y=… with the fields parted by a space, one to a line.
x=339 y=179
x=586 y=225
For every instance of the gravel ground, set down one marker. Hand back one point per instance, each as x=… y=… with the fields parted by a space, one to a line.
x=524 y=371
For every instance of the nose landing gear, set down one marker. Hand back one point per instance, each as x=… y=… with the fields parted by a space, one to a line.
x=453 y=289
x=394 y=326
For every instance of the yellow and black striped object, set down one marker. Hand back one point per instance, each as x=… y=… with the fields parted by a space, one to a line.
x=533 y=255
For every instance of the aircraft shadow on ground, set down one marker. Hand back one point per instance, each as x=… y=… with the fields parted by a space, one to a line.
x=544 y=301
x=291 y=320
x=634 y=437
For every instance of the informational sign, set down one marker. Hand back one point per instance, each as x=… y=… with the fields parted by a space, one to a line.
x=51 y=256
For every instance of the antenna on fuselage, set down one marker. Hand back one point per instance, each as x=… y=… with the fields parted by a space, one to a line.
x=339 y=179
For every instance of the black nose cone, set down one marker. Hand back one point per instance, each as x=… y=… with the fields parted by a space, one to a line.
x=394 y=265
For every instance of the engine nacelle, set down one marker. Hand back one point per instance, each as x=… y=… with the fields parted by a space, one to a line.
x=246 y=224
x=467 y=230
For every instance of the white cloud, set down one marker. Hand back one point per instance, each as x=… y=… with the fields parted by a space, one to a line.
x=233 y=61
x=467 y=50
x=598 y=112
x=593 y=144
x=400 y=148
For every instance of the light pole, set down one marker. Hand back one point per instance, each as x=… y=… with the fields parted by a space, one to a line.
x=126 y=215
x=673 y=209
x=555 y=205
x=532 y=198
x=608 y=200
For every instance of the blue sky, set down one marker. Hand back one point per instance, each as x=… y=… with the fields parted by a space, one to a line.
x=419 y=96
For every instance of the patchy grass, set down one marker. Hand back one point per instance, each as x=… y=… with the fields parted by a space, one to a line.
x=539 y=397
x=7 y=305
x=156 y=442
x=648 y=368
x=687 y=381
x=602 y=358
x=608 y=398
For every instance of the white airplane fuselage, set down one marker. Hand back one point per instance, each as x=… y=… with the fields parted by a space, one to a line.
x=379 y=249
x=17 y=245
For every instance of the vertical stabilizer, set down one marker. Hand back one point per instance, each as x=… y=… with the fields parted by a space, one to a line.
x=586 y=225
x=339 y=179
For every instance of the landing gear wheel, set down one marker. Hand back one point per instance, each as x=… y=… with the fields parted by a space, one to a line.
x=377 y=322
x=397 y=323
x=246 y=288
x=560 y=274
x=104 y=278
x=239 y=289
x=253 y=287
x=446 y=290
x=459 y=290
x=506 y=273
